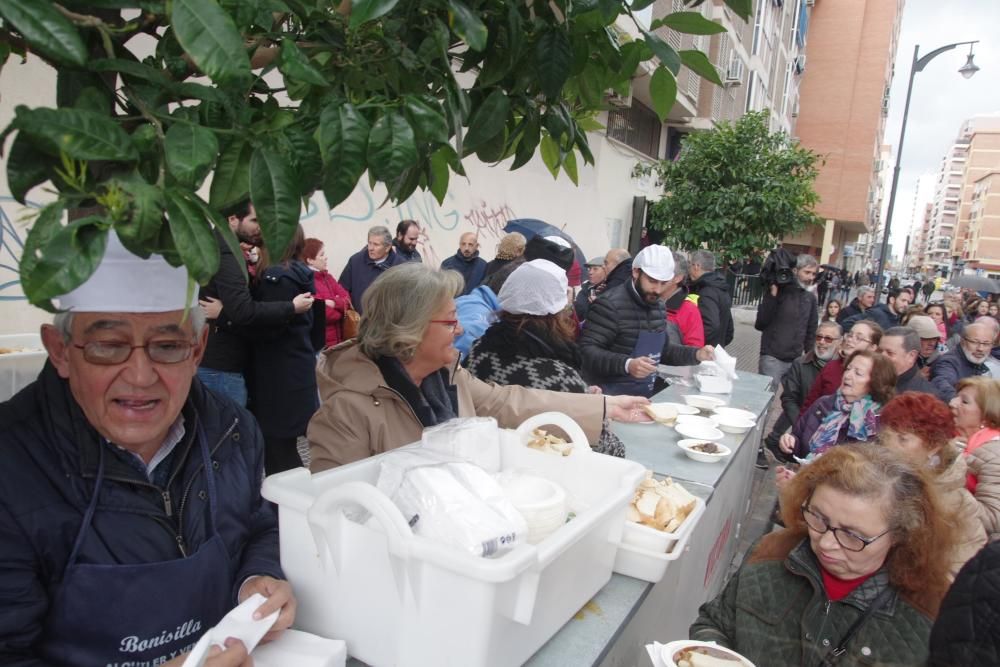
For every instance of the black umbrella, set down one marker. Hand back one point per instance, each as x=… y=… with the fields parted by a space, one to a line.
x=829 y=267
x=976 y=283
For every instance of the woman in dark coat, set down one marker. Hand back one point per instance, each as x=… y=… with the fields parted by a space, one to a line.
x=283 y=395
x=967 y=630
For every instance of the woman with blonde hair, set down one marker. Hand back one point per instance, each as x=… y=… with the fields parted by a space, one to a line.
x=858 y=574
x=976 y=408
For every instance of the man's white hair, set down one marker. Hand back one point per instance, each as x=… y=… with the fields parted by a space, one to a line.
x=64 y=322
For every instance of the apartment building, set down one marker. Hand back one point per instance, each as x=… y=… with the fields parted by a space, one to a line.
x=945 y=205
x=982 y=243
x=982 y=158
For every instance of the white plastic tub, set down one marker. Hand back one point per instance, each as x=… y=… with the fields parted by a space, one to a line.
x=19 y=369
x=646 y=552
x=398 y=599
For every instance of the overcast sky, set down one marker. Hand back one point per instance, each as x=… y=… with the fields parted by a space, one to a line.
x=941 y=99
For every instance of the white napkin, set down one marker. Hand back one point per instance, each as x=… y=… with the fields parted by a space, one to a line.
x=301 y=649
x=714 y=384
x=725 y=361
x=238 y=623
x=655 y=650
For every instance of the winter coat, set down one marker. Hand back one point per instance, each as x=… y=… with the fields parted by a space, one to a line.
x=581 y=304
x=683 y=311
x=788 y=322
x=827 y=382
x=715 y=304
x=808 y=422
x=913 y=380
x=404 y=255
x=360 y=272
x=849 y=311
x=957 y=501
x=952 y=367
x=282 y=384
x=328 y=289
x=797 y=381
x=880 y=313
x=230 y=336
x=361 y=416
x=984 y=464
x=775 y=612
x=473 y=269
x=967 y=630
x=620 y=275
x=50 y=459
x=612 y=329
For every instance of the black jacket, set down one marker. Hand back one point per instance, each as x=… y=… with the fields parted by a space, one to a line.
x=473 y=269
x=967 y=630
x=796 y=383
x=880 y=313
x=581 y=304
x=612 y=329
x=404 y=255
x=788 y=322
x=913 y=380
x=229 y=337
x=715 y=305
x=850 y=310
x=619 y=275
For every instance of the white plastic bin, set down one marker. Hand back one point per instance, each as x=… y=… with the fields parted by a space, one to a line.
x=19 y=369
x=645 y=552
x=398 y=599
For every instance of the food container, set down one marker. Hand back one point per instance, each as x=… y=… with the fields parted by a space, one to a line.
x=699 y=432
x=707 y=422
x=703 y=457
x=670 y=651
x=20 y=367
x=542 y=504
x=738 y=413
x=703 y=402
x=731 y=424
x=398 y=599
x=645 y=552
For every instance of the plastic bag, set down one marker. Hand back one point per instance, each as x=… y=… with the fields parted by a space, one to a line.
x=474 y=439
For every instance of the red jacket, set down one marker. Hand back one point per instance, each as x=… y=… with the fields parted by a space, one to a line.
x=687 y=317
x=827 y=382
x=328 y=289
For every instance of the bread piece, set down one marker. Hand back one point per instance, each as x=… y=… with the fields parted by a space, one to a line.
x=664 y=414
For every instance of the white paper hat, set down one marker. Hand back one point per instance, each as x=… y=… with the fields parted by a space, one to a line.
x=656 y=261
x=537 y=287
x=126 y=283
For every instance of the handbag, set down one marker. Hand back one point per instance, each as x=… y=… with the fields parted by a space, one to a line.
x=351 y=322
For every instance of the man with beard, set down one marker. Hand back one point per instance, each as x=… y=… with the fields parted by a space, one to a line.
x=886 y=314
x=405 y=245
x=227 y=354
x=795 y=384
x=625 y=336
x=967 y=360
x=862 y=302
x=786 y=319
x=467 y=262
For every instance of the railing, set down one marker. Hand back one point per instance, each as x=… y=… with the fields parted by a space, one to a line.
x=746 y=290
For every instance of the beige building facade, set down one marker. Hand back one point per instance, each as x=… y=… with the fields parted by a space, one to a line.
x=974 y=244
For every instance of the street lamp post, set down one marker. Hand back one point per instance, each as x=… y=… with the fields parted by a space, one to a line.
x=919 y=63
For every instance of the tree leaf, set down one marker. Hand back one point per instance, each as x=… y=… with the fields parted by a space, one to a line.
x=391 y=146
x=343 y=143
x=439 y=174
x=550 y=155
x=743 y=8
x=488 y=120
x=669 y=57
x=367 y=10
x=691 y=23
x=427 y=119
x=26 y=168
x=639 y=5
x=528 y=142
x=699 y=64
x=81 y=134
x=146 y=214
x=275 y=198
x=663 y=90
x=467 y=25
x=221 y=225
x=554 y=57
x=190 y=152
x=231 y=178
x=208 y=35
x=45 y=226
x=569 y=166
x=295 y=65
x=70 y=256
x=192 y=235
x=45 y=29
x=129 y=69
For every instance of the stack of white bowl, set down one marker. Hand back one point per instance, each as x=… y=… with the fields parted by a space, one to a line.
x=541 y=502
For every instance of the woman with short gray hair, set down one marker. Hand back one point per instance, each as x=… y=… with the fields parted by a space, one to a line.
x=401 y=375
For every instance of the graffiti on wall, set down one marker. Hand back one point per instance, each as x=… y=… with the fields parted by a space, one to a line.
x=488 y=220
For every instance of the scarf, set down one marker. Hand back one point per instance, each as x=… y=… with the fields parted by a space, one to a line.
x=435 y=401
x=860 y=417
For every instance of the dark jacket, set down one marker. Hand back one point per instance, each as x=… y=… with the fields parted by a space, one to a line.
x=913 y=380
x=967 y=630
x=827 y=382
x=495 y=265
x=880 y=313
x=360 y=272
x=472 y=269
x=951 y=367
x=850 y=310
x=775 y=612
x=715 y=305
x=619 y=275
x=283 y=378
x=613 y=325
x=797 y=381
x=809 y=420
x=788 y=322
x=229 y=336
x=581 y=304
x=405 y=256
x=50 y=456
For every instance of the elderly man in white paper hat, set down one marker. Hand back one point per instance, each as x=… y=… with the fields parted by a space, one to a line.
x=131 y=518
x=625 y=335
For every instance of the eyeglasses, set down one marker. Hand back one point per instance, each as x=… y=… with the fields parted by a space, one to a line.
x=853 y=336
x=107 y=353
x=451 y=324
x=977 y=343
x=826 y=339
x=845 y=538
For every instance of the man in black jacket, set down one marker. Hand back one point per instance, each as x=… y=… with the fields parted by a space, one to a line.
x=595 y=278
x=901 y=346
x=886 y=314
x=626 y=332
x=714 y=300
x=405 y=244
x=467 y=262
x=227 y=355
x=787 y=319
x=617 y=268
x=862 y=302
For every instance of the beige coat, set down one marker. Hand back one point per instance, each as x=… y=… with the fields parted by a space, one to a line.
x=984 y=463
x=957 y=500
x=360 y=415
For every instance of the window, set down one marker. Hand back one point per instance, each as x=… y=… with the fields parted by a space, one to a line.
x=637 y=127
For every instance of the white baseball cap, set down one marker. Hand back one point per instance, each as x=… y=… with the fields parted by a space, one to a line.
x=537 y=287
x=656 y=261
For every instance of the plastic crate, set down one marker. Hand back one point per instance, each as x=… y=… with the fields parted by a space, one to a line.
x=645 y=552
x=19 y=369
x=398 y=599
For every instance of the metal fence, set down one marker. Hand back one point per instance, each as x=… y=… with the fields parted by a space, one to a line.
x=747 y=290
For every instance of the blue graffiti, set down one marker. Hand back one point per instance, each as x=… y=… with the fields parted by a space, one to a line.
x=421 y=207
x=11 y=246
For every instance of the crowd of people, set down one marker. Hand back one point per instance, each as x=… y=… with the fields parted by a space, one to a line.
x=127 y=479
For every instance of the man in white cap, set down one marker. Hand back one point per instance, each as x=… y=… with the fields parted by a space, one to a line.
x=625 y=336
x=131 y=518
x=930 y=337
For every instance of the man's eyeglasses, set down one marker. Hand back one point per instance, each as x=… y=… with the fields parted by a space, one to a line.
x=451 y=324
x=845 y=538
x=977 y=343
x=826 y=339
x=108 y=353
x=853 y=336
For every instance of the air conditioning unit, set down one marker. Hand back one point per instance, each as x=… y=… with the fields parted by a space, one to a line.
x=616 y=99
x=795 y=110
x=734 y=73
x=799 y=64
x=810 y=3
x=885 y=106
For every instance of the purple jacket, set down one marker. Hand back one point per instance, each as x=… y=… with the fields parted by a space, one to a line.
x=809 y=421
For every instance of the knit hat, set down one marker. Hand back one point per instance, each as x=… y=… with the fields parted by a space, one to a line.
x=511 y=246
x=656 y=261
x=924 y=326
x=537 y=287
x=541 y=248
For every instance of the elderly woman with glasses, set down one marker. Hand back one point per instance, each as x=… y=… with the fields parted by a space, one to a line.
x=857 y=575
x=864 y=335
x=400 y=376
x=976 y=408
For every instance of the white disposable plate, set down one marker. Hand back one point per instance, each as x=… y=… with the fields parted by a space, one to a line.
x=699 y=432
x=745 y=415
x=681 y=408
x=707 y=422
x=703 y=457
x=703 y=402
x=668 y=651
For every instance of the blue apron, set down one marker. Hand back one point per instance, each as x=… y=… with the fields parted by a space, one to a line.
x=648 y=344
x=109 y=615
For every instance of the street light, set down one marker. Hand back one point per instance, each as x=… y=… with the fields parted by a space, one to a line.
x=918 y=65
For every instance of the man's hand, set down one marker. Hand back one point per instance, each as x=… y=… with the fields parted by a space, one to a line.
x=787 y=443
x=783 y=476
x=211 y=307
x=234 y=655
x=279 y=596
x=774 y=289
x=626 y=408
x=641 y=367
x=706 y=353
x=302 y=303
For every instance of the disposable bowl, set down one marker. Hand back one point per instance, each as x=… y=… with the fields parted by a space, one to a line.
x=703 y=402
x=699 y=432
x=703 y=457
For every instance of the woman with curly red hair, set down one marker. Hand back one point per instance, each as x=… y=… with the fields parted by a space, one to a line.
x=860 y=569
x=920 y=427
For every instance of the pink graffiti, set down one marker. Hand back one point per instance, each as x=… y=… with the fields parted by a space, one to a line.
x=490 y=220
